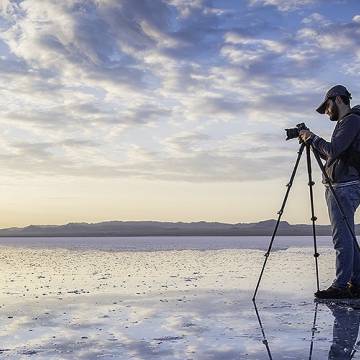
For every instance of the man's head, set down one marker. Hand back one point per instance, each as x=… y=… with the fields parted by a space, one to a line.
x=336 y=103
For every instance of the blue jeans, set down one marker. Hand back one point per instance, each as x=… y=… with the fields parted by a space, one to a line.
x=345 y=332
x=347 y=254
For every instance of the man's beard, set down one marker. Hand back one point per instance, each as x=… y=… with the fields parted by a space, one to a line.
x=334 y=115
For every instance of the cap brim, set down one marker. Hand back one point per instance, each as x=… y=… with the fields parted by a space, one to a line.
x=322 y=107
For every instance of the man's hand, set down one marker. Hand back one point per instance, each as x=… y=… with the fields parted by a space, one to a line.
x=305 y=135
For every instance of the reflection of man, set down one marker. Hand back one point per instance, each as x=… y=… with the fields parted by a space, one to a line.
x=342 y=155
x=345 y=332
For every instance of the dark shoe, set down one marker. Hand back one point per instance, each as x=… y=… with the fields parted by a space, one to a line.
x=354 y=290
x=333 y=293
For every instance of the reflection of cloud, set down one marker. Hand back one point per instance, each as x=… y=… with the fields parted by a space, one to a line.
x=192 y=303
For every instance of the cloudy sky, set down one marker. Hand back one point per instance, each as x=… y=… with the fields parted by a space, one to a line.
x=170 y=110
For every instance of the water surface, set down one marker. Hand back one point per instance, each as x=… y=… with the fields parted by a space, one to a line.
x=161 y=243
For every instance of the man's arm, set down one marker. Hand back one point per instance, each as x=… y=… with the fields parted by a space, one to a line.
x=344 y=134
x=313 y=143
x=308 y=137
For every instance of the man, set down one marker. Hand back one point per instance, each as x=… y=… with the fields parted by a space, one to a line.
x=342 y=155
x=345 y=332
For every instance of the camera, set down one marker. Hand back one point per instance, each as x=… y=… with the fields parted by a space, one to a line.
x=294 y=133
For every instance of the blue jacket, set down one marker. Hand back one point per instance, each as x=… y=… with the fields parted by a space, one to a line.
x=343 y=151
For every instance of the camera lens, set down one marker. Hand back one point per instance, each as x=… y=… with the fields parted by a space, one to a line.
x=292 y=133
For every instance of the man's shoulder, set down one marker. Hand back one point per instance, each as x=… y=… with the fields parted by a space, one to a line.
x=355 y=110
x=349 y=123
x=351 y=117
x=354 y=113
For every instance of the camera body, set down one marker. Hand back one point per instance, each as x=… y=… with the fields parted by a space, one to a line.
x=294 y=133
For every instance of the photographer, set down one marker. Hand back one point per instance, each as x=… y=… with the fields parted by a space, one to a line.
x=342 y=155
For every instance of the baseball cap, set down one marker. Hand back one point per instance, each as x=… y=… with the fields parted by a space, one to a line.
x=337 y=90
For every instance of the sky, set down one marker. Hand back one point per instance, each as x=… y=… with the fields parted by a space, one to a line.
x=169 y=110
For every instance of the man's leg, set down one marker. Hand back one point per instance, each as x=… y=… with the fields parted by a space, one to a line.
x=342 y=238
x=345 y=331
x=355 y=277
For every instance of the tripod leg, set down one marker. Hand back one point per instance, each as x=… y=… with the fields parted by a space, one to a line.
x=313 y=329
x=264 y=341
x=317 y=157
x=313 y=217
x=280 y=212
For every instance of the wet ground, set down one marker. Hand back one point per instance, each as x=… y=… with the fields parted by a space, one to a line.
x=90 y=304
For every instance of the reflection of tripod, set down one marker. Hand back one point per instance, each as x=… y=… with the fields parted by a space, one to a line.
x=313 y=217
x=266 y=342
x=345 y=332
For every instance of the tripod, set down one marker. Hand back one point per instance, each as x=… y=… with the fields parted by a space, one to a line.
x=266 y=342
x=313 y=217
x=341 y=338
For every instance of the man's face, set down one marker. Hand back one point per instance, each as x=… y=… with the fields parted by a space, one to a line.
x=332 y=110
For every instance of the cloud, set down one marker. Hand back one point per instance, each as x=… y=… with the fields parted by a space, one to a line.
x=316 y=19
x=283 y=5
x=356 y=18
x=186 y=7
x=352 y=68
x=332 y=37
x=276 y=60
x=80 y=39
x=147 y=113
x=204 y=166
x=152 y=89
x=266 y=44
x=287 y=103
x=189 y=157
x=120 y=48
x=185 y=142
x=215 y=106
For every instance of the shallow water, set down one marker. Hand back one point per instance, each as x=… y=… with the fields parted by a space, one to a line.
x=162 y=243
x=63 y=303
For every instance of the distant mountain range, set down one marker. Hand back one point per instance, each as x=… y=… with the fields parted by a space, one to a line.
x=157 y=228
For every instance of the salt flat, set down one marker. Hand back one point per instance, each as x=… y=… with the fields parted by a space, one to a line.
x=184 y=304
